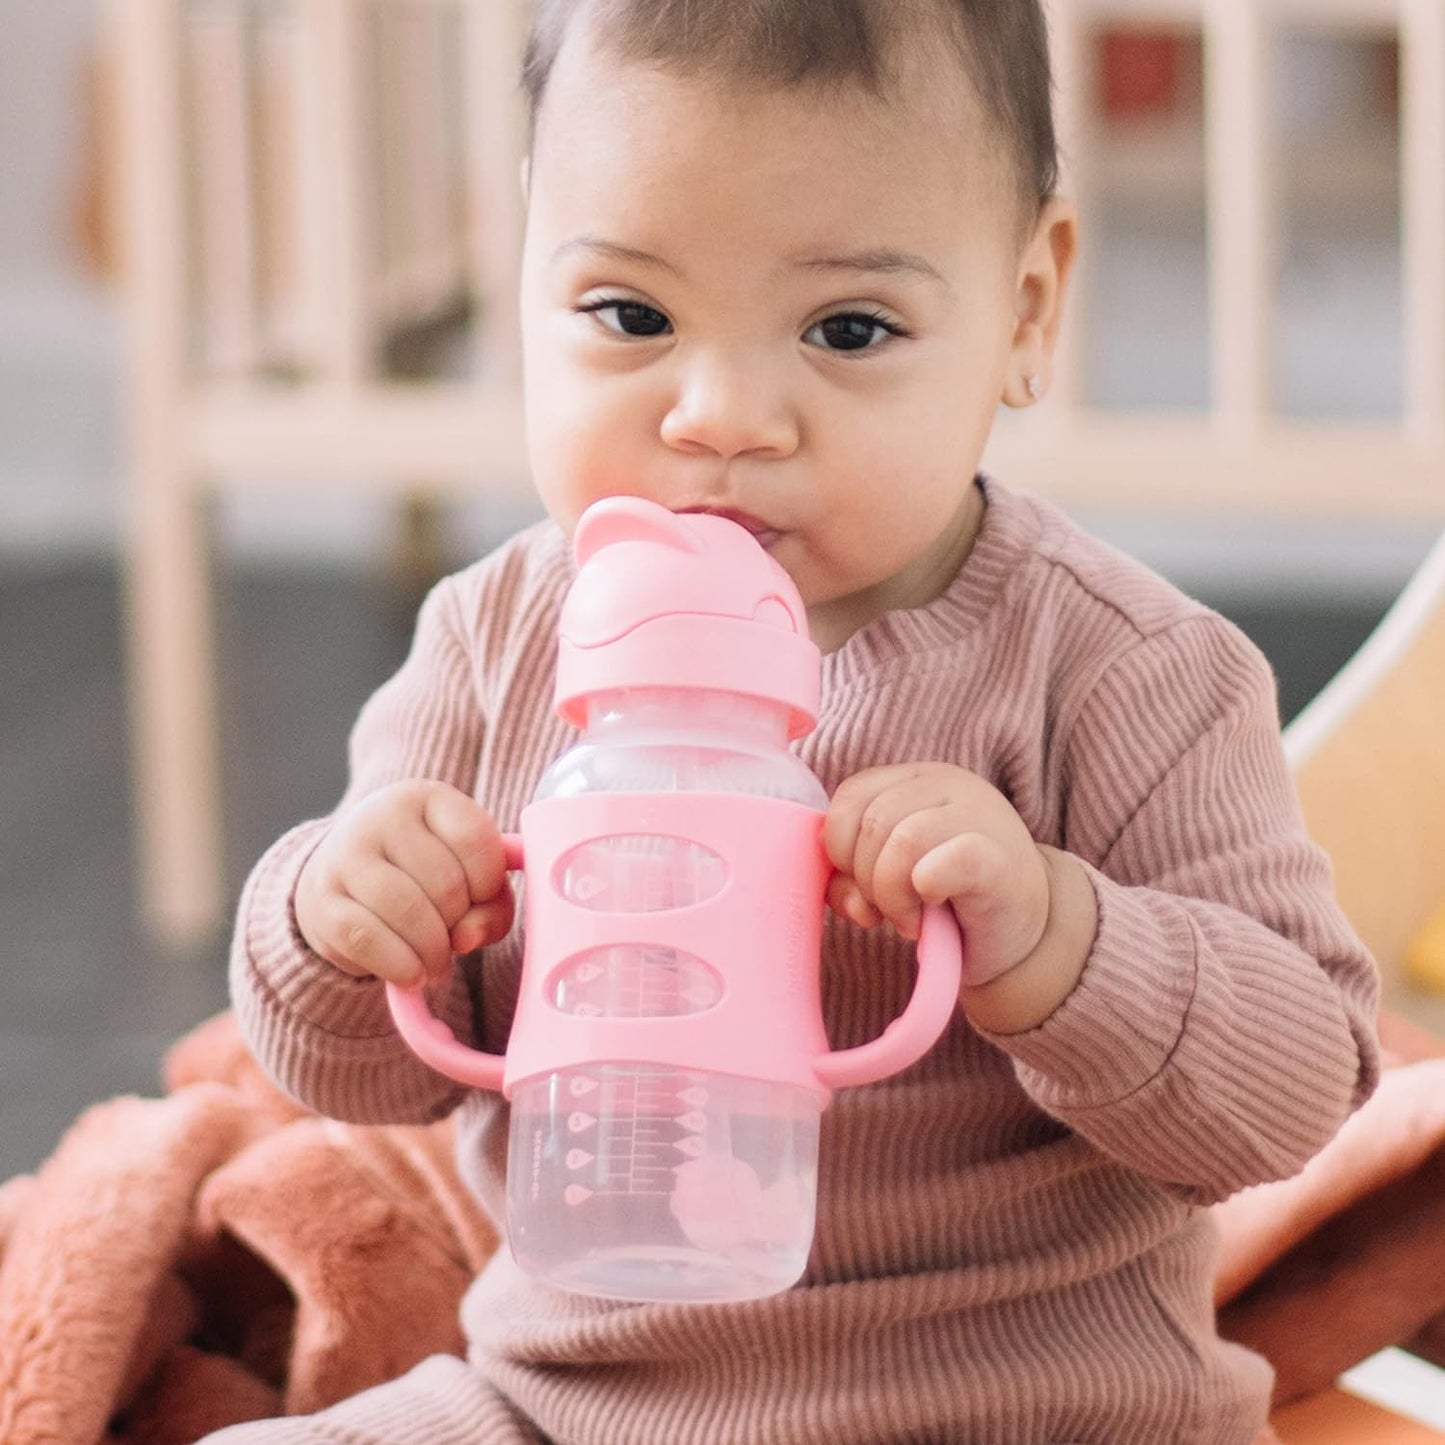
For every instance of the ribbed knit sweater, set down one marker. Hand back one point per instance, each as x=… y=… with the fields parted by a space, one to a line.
x=1011 y=1248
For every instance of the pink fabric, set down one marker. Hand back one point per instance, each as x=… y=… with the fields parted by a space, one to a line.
x=1321 y=1271
x=1391 y=1137
x=215 y=1256
x=1011 y=1244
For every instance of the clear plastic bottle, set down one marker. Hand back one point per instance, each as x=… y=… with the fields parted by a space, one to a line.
x=631 y=1180
x=668 y=1059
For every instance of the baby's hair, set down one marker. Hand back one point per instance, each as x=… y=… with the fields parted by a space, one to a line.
x=1002 y=46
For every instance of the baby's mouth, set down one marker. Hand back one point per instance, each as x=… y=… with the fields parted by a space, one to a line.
x=764 y=534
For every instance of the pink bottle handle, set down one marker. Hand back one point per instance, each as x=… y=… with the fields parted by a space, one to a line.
x=430 y=1039
x=903 y=1042
x=917 y=1028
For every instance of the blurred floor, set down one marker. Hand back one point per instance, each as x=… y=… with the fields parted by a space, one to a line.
x=87 y=1003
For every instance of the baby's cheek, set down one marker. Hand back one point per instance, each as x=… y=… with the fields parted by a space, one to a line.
x=564 y=477
x=579 y=457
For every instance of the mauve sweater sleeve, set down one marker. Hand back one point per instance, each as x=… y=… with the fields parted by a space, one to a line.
x=1223 y=1027
x=326 y=1037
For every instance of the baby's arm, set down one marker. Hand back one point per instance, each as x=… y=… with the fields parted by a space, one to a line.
x=301 y=972
x=1220 y=1026
x=1224 y=1027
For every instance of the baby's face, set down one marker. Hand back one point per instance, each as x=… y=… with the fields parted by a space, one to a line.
x=794 y=306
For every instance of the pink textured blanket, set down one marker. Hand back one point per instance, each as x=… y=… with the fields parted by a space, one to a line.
x=1320 y=1271
x=219 y=1255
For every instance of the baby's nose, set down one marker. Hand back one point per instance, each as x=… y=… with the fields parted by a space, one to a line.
x=729 y=406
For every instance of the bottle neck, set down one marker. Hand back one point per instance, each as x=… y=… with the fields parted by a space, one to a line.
x=689 y=711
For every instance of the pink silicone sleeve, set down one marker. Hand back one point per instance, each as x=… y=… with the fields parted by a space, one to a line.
x=903 y=1042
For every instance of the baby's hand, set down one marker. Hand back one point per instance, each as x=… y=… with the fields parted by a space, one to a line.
x=908 y=835
x=403 y=880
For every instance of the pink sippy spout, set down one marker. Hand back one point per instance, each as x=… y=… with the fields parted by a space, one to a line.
x=669 y=599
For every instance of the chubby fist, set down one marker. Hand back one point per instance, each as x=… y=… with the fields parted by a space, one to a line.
x=911 y=834
x=404 y=879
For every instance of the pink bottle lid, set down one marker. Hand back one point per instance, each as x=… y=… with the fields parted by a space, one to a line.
x=681 y=599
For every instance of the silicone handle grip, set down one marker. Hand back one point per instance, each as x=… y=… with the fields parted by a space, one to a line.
x=430 y=1039
x=916 y=1029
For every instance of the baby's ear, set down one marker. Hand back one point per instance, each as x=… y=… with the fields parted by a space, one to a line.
x=1045 y=265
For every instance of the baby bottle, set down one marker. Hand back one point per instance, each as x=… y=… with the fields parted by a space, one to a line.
x=668 y=1064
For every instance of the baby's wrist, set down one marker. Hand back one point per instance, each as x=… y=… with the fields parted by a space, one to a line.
x=1023 y=996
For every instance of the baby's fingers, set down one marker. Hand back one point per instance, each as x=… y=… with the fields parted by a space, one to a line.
x=356 y=941
x=846 y=898
x=855 y=800
x=403 y=906
x=1001 y=899
x=891 y=883
x=968 y=868
x=468 y=830
x=484 y=923
x=432 y=866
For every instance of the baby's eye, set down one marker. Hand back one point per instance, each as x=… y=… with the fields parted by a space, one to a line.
x=630 y=318
x=850 y=331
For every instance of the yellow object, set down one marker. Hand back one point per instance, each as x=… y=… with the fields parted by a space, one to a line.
x=1425 y=955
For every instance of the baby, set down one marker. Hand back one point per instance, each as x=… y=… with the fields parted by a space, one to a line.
x=783 y=260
